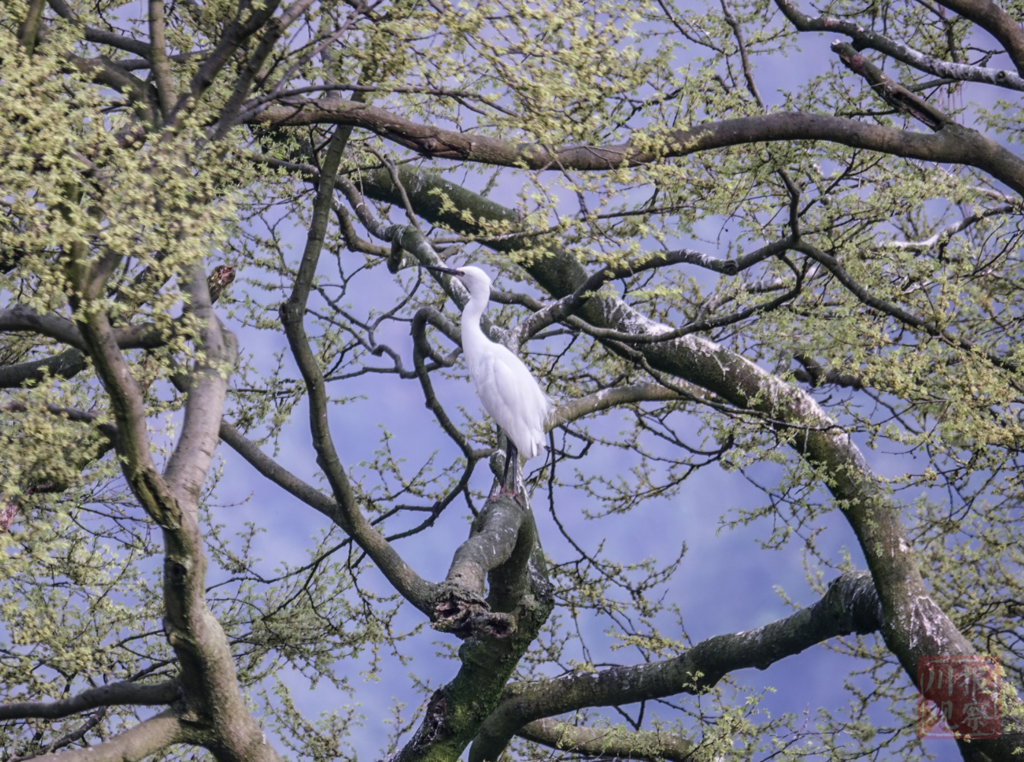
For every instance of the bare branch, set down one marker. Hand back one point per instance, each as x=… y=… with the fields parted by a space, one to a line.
x=115 y=694
x=421 y=348
x=865 y=38
x=416 y=590
x=893 y=93
x=134 y=744
x=997 y=22
x=604 y=399
x=609 y=743
x=280 y=476
x=459 y=605
x=943 y=236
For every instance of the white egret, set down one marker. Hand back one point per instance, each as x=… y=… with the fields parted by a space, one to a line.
x=508 y=391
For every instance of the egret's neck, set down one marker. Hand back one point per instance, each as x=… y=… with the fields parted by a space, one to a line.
x=474 y=310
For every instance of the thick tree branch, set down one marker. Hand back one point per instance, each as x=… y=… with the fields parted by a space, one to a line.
x=115 y=694
x=103 y=71
x=519 y=590
x=161 y=68
x=22 y=319
x=494 y=537
x=849 y=606
x=953 y=143
x=28 y=28
x=491 y=541
x=210 y=690
x=190 y=462
x=129 y=413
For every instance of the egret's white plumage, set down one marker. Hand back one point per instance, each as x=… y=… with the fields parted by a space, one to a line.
x=509 y=392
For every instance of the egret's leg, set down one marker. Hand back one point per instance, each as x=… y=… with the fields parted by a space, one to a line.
x=515 y=469
x=510 y=457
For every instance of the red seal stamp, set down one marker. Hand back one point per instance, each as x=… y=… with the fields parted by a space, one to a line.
x=958 y=697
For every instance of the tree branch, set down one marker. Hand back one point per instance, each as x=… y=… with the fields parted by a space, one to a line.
x=416 y=590
x=158 y=56
x=604 y=399
x=251 y=17
x=421 y=348
x=568 y=305
x=460 y=607
x=893 y=93
x=115 y=694
x=930 y=327
x=133 y=745
x=491 y=540
x=864 y=38
x=70 y=414
x=28 y=28
x=609 y=743
x=102 y=36
x=218 y=349
x=280 y=476
x=849 y=606
x=520 y=590
x=953 y=143
x=997 y=22
x=23 y=319
x=943 y=236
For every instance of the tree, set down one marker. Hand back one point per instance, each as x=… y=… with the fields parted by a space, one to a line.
x=742 y=269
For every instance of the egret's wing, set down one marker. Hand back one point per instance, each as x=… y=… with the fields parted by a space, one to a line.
x=514 y=399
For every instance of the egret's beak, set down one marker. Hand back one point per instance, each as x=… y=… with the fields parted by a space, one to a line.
x=448 y=270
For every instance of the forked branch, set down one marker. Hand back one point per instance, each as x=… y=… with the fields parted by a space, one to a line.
x=849 y=606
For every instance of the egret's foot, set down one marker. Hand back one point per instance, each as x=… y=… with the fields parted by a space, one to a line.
x=514 y=494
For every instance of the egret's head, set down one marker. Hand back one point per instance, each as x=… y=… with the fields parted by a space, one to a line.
x=473 y=278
